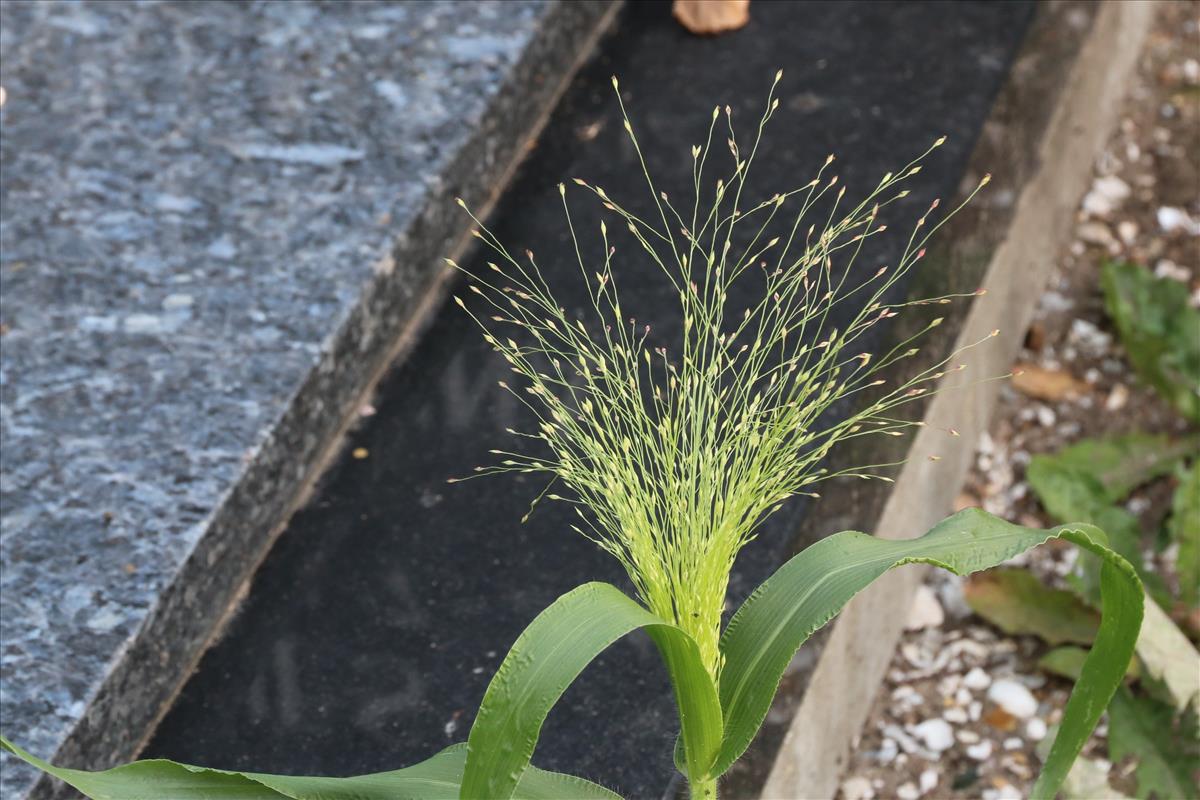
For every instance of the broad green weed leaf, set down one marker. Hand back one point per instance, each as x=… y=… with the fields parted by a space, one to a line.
x=1160 y=331
x=1166 y=748
x=812 y=588
x=1016 y=601
x=1069 y=492
x=1067 y=662
x=437 y=778
x=1184 y=529
x=549 y=655
x=1120 y=464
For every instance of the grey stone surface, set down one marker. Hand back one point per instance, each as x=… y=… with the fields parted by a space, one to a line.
x=216 y=219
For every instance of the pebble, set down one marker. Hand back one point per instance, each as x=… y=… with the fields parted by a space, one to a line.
x=928 y=781
x=857 y=788
x=1014 y=698
x=1096 y=233
x=1172 y=219
x=1046 y=416
x=1005 y=792
x=1127 y=231
x=967 y=737
x=1117 y=398
x=1013 y=743
x=936 y=734
x=926 y=611
x=1090 y=338
x=908 y=791
x=955 y=715
x=1035 y=729
x=977 y=679
x=981 y=751
x=1166 y=268
x=1106 y=195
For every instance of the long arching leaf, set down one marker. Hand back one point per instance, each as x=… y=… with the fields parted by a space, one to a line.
x=812 y=588
x=438 y=778
x=549 y=655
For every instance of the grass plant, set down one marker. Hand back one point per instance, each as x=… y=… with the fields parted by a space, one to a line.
x=674 y=450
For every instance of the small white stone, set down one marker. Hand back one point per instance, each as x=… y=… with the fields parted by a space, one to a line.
x=1096 y=233
x=936 y=734
x=1005 y=792
x=1046 y=416
x=1117 y=398
x=1172 y=219
x=926 y=611
x=907 y=791
x=928 y=781
x=1127 y=231
x=975 y=711
x=1013 y=743
x=1089 y=337
x=1014 y=698
x=981 y=751
x=888 y=750
x=857 y=788
x=1035 y=729
x=1106 y=195
x=955 y=715
x=967 y=737
x=977 y=679
x=1166 y=268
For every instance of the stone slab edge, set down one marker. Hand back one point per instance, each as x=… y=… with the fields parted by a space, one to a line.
x=1085 y=95
x=147 y=673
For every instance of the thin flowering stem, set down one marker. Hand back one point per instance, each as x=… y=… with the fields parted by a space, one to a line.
x=672 y=461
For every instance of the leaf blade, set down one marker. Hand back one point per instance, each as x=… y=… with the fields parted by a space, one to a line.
x=812 y=587
x=436 y=778
x=1160 y=331
x=547 y=658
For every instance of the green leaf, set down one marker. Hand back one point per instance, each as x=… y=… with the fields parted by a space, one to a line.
x=1160 y=331
x=812 y=588
x=1166 y=748
x=549 y=655
x=1069 y=492
x=1120 y=464
x=1015 y=601
x=1184 y=529
x=438 y=778
x=1067 y=662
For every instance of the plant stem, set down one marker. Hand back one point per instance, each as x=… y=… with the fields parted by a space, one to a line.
x=703 y=790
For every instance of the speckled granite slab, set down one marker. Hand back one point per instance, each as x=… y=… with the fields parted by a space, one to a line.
x=217 y=218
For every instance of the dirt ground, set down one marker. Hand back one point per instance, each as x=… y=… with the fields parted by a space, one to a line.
x=935 y=730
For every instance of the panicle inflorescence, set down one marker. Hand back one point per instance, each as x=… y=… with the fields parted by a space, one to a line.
x=674 y=459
